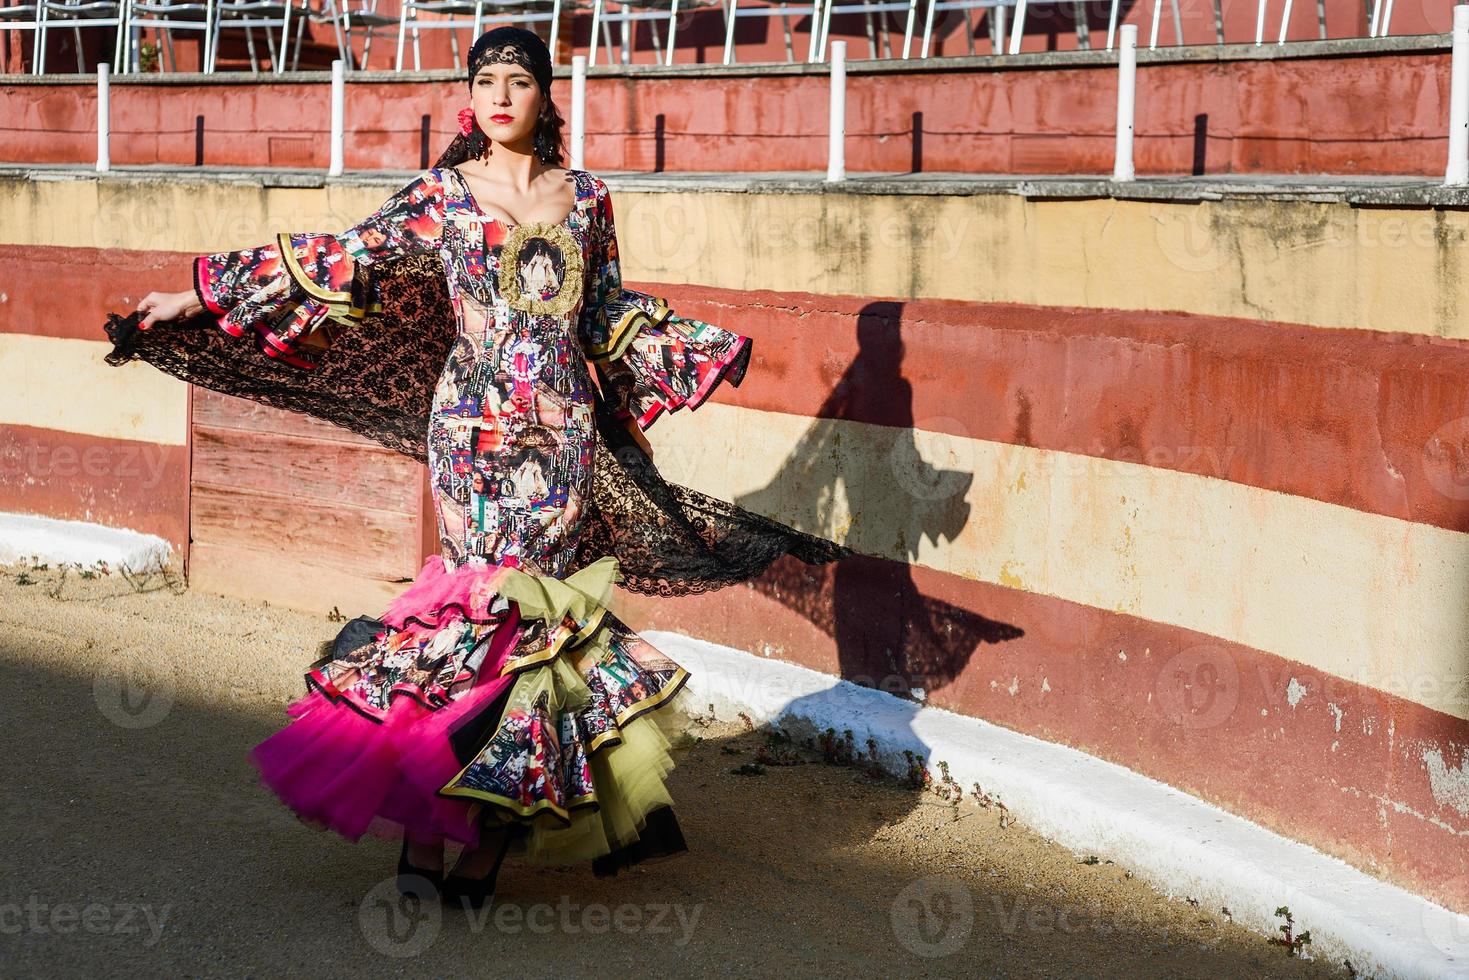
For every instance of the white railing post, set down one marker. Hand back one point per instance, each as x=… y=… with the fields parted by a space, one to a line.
x=1112 y=25
x=104 y=117
x=339 y=119
x=1284 y=22
x=731 y=17
x=578 y=110
x=1260 y=23
x=672 y=30
x=1157 y=18
x=836 y=162
x=1122 y=168
x=1017 y=29
x=596 y=31
x=1457 y=173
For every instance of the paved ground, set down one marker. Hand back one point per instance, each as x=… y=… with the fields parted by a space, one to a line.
x=139 y=844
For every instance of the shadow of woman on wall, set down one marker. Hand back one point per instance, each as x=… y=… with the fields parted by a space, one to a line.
x=888 y=634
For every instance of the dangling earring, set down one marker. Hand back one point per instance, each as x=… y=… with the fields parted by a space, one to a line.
x=543 y=140
x=469 y=129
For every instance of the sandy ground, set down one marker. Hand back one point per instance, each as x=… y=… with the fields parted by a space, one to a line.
x=138 y=843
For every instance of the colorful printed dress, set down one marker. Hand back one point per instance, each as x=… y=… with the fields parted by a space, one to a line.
x=498 y=687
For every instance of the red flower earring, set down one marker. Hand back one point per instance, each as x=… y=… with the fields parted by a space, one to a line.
x=466 y=120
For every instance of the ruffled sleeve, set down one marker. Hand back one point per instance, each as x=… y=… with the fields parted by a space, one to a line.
x=296 y=293
x=649 y=360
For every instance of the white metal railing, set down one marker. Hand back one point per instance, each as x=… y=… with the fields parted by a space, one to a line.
x=1456 y=172
x=1005 y=23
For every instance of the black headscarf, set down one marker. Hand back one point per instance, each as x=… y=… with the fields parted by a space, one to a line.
x=512 y=46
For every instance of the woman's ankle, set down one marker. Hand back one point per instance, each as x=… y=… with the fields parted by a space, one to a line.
x=478 y=861
x=428 y=855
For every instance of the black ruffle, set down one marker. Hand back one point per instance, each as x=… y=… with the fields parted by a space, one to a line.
x=660 y=837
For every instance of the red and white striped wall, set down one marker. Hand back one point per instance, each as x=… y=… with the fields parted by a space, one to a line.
x=1181 y=485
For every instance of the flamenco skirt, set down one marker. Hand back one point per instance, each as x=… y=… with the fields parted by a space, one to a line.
x=488 y=696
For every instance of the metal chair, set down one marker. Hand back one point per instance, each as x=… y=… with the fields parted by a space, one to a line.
x=247 y=15
x=167 y=16
x=525 y=12
x=868 y=8
x=79 y=14
x=17 y=16
x=732 y=13
x=997 y=22
x=454 y=13
x=364 y=20
x=326 y=13
x=632 y=11
x=308 y=14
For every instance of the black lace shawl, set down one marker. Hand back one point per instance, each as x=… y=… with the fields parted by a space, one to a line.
x=378 y=381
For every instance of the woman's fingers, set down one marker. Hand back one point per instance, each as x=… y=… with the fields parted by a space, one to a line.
x=162 y=307
x=147 y=304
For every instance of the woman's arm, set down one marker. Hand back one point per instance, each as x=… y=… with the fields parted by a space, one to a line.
x=294 y=293
x=648 y=359
x=169 y=306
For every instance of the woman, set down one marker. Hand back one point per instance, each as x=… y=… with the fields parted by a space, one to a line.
x=497 y=702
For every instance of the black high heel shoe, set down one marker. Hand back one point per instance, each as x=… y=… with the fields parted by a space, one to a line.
x=472 y=892
x=417 y=881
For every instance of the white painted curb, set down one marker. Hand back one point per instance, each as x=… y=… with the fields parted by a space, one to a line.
x=1181 y=845
x=54 y=542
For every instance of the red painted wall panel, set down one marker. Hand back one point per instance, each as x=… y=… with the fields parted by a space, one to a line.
x=142 y=486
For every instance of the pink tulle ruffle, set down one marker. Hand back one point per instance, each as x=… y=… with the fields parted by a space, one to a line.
x=338 y=769
x=439 y=594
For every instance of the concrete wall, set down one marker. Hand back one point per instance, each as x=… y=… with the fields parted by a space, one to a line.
x=1315 y=107
x=1179 y=484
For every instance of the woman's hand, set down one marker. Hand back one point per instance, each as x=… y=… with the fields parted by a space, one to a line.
x=639 y=438
x=169 y=306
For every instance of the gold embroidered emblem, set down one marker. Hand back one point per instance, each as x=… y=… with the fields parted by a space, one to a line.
x=541 y=269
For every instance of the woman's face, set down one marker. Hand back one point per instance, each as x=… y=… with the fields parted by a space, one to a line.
x=506 y=101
